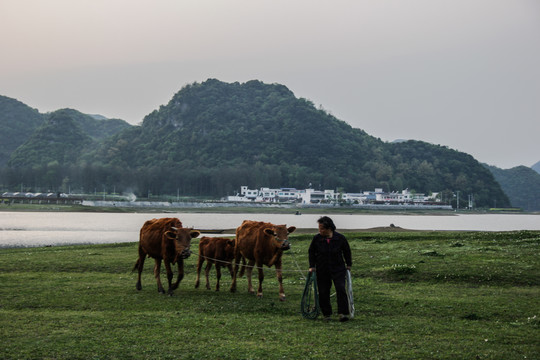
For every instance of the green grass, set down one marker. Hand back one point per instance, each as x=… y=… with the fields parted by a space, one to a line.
x=418 y=295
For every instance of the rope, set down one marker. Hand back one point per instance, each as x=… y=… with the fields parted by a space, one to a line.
x=245 y=265
x=309 y=307
x=349 y=291
x=298 y=266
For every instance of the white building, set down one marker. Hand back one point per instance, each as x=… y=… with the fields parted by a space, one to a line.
x=311 y=196
x=354 y=198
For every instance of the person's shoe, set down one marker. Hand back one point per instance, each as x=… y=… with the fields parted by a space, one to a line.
x=343 y=318
x=327 y=318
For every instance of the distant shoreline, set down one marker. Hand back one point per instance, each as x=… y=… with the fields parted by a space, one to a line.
x=249 y=210
x=224 y=209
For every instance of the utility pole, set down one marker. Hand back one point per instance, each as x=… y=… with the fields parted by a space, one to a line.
x=457 y=206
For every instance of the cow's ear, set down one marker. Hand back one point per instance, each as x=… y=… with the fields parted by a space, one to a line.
x=194 y=233
x=170 y=235
x=270 y=231
x=291 y=229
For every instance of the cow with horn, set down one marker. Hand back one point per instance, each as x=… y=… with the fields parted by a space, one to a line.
x=164 y=239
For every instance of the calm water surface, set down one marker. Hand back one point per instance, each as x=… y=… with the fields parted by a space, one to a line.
x=56 y=228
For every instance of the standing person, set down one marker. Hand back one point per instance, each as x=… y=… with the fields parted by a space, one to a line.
x=330 y=256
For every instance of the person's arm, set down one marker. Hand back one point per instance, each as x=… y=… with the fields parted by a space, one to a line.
x=312 y=253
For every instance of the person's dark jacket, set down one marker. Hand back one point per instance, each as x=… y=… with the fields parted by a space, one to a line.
x=333 y=257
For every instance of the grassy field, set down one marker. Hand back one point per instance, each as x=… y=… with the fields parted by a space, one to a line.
x=418 y=295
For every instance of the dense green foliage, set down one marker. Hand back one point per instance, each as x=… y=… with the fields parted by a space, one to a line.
x=49 y=159
x=62 y=138
x=213 y=137
x=417 y=295
x=18 y=122
x=521 y=184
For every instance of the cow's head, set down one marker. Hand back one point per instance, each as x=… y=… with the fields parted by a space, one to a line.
x=280 y=233
x=229 y=249
x=182 y=241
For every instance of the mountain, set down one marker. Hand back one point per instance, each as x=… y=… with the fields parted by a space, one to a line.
x=65 y=135
x=521 y=184
x=213 y=137
x=17 y=121
x=536 y=167
x=96 y=126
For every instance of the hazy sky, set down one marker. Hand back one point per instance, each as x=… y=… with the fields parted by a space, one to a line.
x=459 y=73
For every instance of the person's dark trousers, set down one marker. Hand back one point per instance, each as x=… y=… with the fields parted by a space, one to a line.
x=324 y=284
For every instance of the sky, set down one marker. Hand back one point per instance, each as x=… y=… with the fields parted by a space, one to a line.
x=463 y=73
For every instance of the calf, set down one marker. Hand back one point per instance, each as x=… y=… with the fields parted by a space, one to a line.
x=216 y=250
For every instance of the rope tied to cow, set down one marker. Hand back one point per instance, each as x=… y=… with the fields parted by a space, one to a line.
x=223 y=262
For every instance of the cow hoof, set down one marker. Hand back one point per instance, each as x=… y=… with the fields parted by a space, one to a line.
x=259 y=296
x=161 y=291
x=138 y=286
x=282 y=298
x=233 y=290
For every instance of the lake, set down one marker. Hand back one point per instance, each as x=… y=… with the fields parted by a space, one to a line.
x=57 y=228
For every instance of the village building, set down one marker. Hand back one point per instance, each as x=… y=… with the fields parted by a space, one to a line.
x=311 y=196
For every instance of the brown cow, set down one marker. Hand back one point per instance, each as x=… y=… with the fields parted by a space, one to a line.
x=165 y=239
x=261 y=244
x=216 y=250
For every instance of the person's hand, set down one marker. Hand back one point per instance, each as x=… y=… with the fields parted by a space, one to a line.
x=311 y=270
x=349 y=268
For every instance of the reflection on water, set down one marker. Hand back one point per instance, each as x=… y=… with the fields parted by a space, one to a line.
x=53 y=228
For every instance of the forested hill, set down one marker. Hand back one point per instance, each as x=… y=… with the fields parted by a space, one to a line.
x=62 y=138
x=521 y=184
x=213 y=137
x=17 y=122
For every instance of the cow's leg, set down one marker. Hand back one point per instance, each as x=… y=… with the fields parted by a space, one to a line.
x=180 y=276
x=249 y=272
x=218 y=275
x=237 y=257
x=261 y=278
x=207 y=272
x=169 y=276
x=279 y=275
x=139 y=265
x=199 y=267
x=157 y=270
